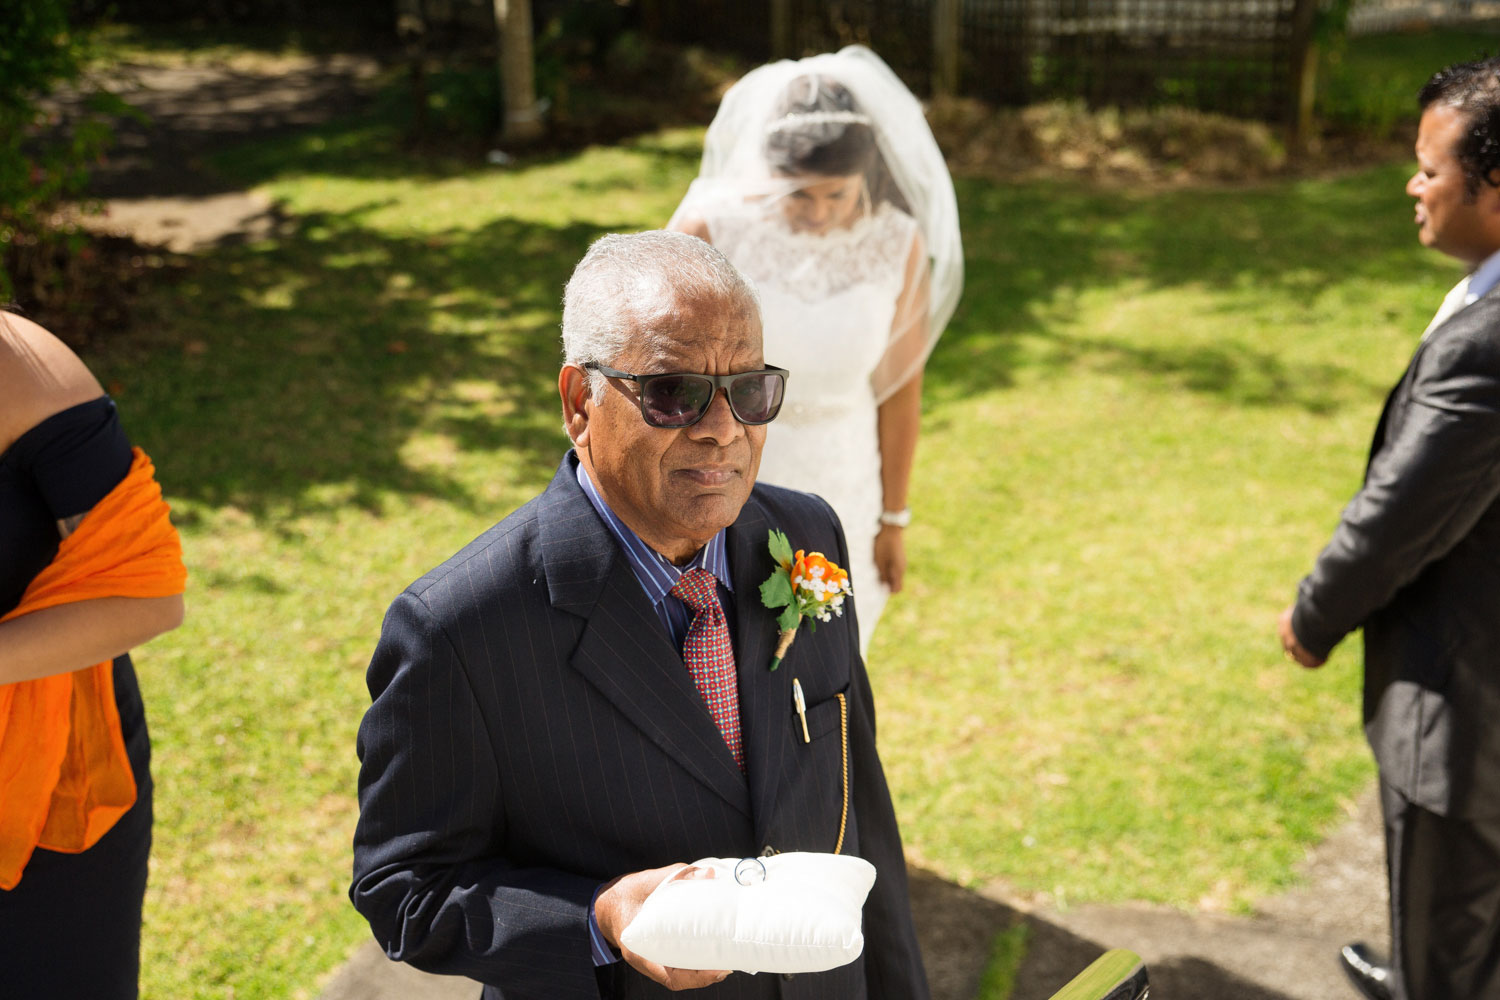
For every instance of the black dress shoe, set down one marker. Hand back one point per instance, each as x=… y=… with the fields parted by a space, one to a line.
x=1369 y=974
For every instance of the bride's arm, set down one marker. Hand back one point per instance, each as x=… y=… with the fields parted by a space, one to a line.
x=899 y=417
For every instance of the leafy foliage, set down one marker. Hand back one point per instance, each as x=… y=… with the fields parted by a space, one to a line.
x=1331 y=22
x=1369 y=84
x=40 y=168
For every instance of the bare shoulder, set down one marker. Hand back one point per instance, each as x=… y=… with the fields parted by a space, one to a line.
x=41 y=376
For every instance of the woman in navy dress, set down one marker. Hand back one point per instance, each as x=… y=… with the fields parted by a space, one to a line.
x=71 y=925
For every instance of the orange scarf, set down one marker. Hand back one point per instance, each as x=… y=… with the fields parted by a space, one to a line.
x=64 y=775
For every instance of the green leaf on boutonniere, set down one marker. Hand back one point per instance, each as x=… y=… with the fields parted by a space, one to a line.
x=777 y=591
x=788 y=618
x=781 y=551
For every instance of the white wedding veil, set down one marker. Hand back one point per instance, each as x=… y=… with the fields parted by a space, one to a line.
x=736 y=175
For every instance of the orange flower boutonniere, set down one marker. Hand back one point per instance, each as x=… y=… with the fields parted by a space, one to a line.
x=803 y=585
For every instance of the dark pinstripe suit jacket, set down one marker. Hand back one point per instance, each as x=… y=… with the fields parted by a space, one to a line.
x=534 y=732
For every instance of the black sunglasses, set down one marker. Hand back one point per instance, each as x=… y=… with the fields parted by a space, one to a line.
x=680 y=399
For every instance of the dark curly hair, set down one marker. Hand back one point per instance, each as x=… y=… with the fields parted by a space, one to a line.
x=1472 y=89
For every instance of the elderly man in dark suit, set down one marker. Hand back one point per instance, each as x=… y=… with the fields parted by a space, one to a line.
x=1415 y=560
x=580 y=701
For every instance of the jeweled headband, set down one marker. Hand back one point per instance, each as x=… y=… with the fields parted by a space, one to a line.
x=796 y=119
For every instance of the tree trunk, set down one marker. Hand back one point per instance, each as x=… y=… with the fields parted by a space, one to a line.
x=1304 y=82
x=782 y=44
x=411 y=29
x=522 y=119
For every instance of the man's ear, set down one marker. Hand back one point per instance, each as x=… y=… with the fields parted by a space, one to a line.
x=577 y=400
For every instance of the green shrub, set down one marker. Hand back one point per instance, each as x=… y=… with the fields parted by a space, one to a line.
x=44 y=156
x=1368 y=84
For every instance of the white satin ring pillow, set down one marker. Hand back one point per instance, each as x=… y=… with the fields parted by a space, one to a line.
x=803 y=915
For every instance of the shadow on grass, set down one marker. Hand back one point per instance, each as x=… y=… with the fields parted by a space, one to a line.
x=1035 y=250
x=189 y=111
x=294 y=375
x=959 y=929
x=344 y=115
x=376 y=145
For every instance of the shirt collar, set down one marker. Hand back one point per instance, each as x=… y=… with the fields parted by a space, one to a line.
x=1483 y=278
x=656 y=574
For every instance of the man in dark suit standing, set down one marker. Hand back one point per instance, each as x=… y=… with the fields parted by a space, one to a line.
x=580 y=700
x=1415 y=560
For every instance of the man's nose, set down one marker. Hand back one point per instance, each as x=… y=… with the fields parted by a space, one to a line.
x=719 y=422
x=1414 y=186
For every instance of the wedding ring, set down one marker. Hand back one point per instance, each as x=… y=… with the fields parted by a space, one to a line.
x=745 y=875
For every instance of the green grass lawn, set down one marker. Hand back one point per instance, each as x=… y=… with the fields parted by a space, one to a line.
x=1137 y=432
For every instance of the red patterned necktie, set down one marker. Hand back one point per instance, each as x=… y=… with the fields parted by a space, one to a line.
x=710 y=657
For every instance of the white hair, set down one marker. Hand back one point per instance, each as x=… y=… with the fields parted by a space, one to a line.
x=628 y=283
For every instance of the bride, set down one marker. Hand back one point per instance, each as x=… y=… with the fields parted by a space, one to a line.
x=822 y=182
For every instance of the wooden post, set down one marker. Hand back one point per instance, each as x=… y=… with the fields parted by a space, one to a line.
x=522 y=120
x=947 y=22
x=1304 y=77
x=411 y=29
x=782 y=44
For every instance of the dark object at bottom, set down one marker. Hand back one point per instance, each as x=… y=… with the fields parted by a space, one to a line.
x=1116 y=975
x=1370 y=975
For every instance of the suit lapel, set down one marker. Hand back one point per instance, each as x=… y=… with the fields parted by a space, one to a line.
x=1475 y=314
x=623 y=651
x=765 y=697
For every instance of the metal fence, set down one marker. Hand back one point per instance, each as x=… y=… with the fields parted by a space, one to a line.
x=1239 y=57
x=1369 y=17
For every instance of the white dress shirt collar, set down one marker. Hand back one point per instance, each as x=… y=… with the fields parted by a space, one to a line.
x=1483 y=278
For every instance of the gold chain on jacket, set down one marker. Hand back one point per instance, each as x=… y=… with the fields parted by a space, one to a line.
x=844 y=748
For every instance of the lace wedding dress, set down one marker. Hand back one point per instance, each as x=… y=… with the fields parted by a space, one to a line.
x=828 y=302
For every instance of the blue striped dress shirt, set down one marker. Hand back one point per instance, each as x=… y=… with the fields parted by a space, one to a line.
x=657 y=577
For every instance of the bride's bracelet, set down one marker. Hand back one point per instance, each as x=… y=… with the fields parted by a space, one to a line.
x=896 y=518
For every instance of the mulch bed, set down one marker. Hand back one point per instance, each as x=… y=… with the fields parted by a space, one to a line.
x=82 y=287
